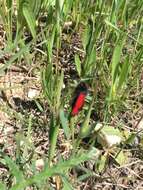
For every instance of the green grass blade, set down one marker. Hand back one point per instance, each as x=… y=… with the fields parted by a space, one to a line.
x=47 y=82
x=113 y=16
x=86 y=128
x=2 y=186
x=14 y=58
x=53 y=134
x=91 y=62
x=124 y=73
x=78 y=64
x=57 y=169
x=116 y=56
x=36 y=7
x=14 y=170
x=66 y=183
x=86 y=36
x=112 y=25
x=50 y=44
x=64 y=123
x=58 y=90
x=28 y=14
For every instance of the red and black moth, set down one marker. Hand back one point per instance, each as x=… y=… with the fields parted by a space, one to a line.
x=79 y=100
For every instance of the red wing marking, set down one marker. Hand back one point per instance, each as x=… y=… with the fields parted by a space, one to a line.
x=78 y=104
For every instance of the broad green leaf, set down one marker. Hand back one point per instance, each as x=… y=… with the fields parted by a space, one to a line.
x=78 y=64
x=86 y=128
x=64 y=123
x=109 y=136
x=101 y=163
x=110 y=130
x=131 y=138
x=121 y=158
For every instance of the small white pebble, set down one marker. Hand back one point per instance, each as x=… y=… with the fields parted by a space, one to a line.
x=113 y=140
x=64 y=86
x=98 y=126
x=1 y=140
x=39 y=164
x=21 y=143
x=32 y=93
x=68 y=24
x=9 y=130
x=140 y=125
